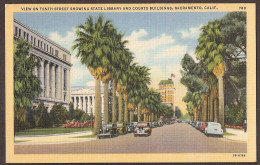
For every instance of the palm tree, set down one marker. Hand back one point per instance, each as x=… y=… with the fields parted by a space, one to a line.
x=92 y=49
x=210 y=50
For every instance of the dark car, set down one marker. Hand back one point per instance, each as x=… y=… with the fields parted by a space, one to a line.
x=122 y=128
x=108 y=130
x=130 y=127
x=143 y=128
x=168 y=122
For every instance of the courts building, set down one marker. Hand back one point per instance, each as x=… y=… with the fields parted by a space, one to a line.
x=54 y=71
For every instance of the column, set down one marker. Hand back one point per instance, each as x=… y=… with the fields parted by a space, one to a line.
x=62 y=84
x=75 y=102
x=80 y=103
x=42 y=77
x=84 y=104
x=88 y=106
x=68 y=85
x=47 y=79
x=53 y=81
x=59 y=83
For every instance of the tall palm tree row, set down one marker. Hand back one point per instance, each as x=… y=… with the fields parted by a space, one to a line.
x=101 y=48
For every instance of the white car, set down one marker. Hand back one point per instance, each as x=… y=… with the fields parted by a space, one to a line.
x=213 y=128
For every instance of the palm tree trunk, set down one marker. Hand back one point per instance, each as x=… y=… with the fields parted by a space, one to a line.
x=126 y=110
x=106 y=117
x=131 y=116
x=139 y=112
x=221 y=101
x=120 y=108
x=211 y=107
x=97 y=124
x=204 y=110
x=114 y=101
x=215 y=110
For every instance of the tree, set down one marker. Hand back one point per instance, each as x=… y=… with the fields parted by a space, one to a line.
x=178 y=113
x=71 y=110
x=84 y=117
x=26 y=84
x=42 y=118
x=78 y=114
x=92 y=44
x=59 y=114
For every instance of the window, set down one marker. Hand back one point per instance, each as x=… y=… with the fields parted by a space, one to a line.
x=15 y=33
x=31 y=39
x=34 y=42
x=47 y=47
x=27 y=38
x=64 y=57
x=38 y=43
x=44 y=45
x=19 y=32
x=41 y=44
x=56 y=53
x=24 y=35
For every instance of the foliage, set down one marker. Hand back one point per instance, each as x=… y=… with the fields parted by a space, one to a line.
x=178 y=113
x=20 y=122
x=59 y=114
x=78 y=114
x=42 y=118
x=26 y=84
x=84 y=117
x=71 y=110
x=164 y=82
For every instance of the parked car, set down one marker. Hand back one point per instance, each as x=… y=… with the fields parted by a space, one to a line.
x=151 y=125
x=213 y=128
x=130 y=127
x=193 y=123
x=172 y=121
x=122 y=128
x=179 y=121
x=143 y=128
x=155 y=124
x=160 y=123
x=203 y=126
x=168 y=122
x=108 y=130
x=134 y=123
x=198 y=124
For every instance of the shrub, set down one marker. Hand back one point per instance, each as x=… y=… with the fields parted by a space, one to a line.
x=84 y=118
x=42 y=118
x=77 y=114
x=59 y=114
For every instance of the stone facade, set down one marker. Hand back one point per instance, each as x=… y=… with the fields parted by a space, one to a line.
x=84 y=99
x=54 y=71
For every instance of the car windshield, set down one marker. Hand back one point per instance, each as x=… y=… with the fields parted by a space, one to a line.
x=108 y=125
x=141 y=124
x=119 y=125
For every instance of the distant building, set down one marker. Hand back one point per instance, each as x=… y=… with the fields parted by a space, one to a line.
x=54 y=70
x=83 y=98
x=166 y=90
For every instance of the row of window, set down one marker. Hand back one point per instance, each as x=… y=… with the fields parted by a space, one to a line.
x=39 y=44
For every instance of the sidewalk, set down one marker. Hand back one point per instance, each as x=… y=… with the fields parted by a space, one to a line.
x=53 y=139
x=239 y=135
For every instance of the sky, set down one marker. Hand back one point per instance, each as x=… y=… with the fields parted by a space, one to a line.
x=158 y=40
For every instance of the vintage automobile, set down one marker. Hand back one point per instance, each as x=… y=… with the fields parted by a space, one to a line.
x=130 y=127
x=122 y=128
x=134 y=123
x=143 y=128
x=168 y=122
x=108 y=130
x=160 y=123
x=155 y=124
x=213 y=128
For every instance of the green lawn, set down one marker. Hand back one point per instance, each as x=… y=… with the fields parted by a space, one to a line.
x=228 y=134
x=48 y=131
x=86 y=136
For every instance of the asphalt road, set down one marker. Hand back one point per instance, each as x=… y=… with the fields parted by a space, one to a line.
x=175 y=138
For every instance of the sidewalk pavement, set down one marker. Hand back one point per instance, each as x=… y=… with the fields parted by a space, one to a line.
x=239 y=135
x=53 y=139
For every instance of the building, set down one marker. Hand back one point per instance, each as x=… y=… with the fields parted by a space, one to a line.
x=54 y=71
x=84 y=99
x=166 y=90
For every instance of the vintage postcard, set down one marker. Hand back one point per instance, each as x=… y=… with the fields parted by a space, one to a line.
x=130 y=83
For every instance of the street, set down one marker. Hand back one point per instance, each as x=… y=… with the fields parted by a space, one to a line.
x=174 y=138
